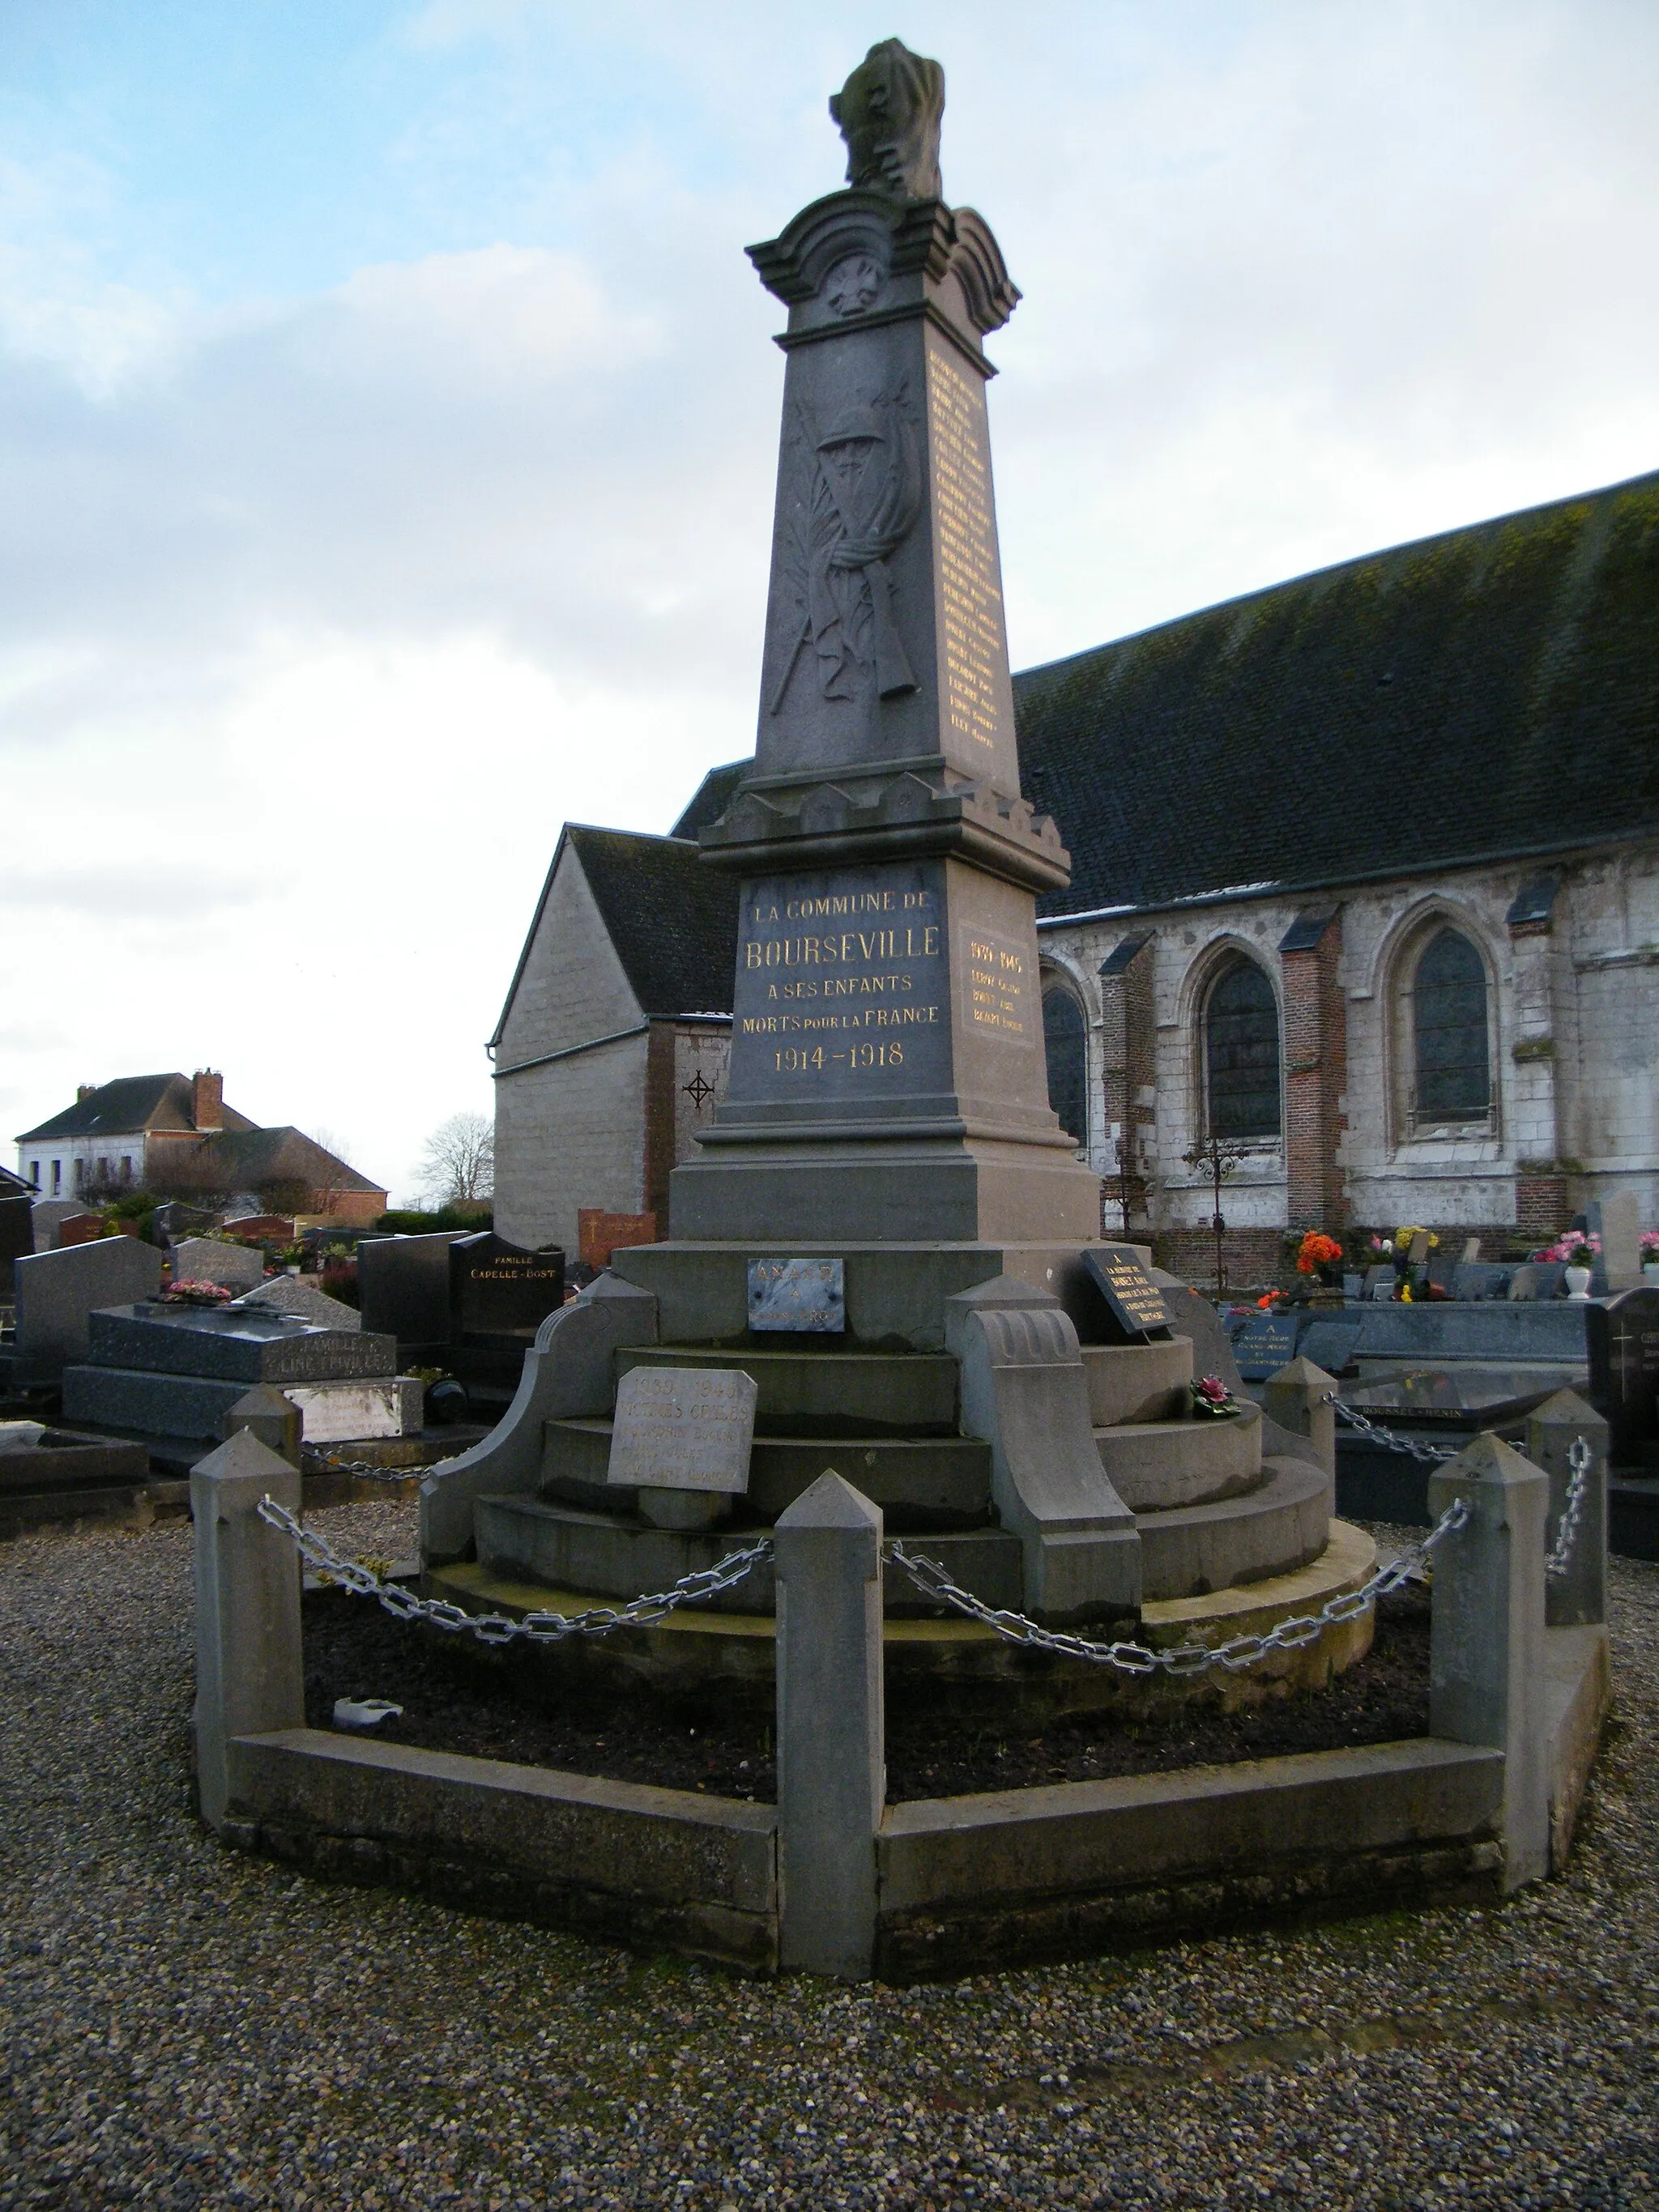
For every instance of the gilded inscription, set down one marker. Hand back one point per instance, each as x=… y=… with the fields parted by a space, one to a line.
x=974 y=643
x=840 y=979
x=994 y=979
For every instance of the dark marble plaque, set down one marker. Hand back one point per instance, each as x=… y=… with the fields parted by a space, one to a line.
x=1266 y=1345
x=498 y=1289
x=804 y=1295
x=1133 y=1300
x=843 y=988
x=1623 y=1335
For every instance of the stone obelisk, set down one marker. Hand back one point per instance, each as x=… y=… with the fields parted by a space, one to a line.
x=888 y=1082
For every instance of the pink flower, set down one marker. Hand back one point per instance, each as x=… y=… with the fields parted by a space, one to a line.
x=1214 y=1390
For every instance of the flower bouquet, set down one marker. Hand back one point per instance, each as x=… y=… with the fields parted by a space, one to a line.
x=1212 y=1399
x=197 y=1294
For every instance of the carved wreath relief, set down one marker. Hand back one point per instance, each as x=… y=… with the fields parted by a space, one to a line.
x=862 y=479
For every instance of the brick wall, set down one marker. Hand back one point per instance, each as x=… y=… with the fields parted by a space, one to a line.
x=1315 y=1079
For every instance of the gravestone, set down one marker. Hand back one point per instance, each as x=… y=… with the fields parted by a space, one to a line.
x=1380 y=1281
x=683 y=1428
x=402 y=1285
x=292 y=1294
x=206 y=1260
x=16 y=1237
x=1619 y=1221
x=888 y=1082
x=1471 y=1250
x=800 y=1296
x=598 y=1234
x=1444 y=1272
x=57 y=1291
x=1479 y=1279
x=1133 y=1302
x=263 y=1228
x=1353 y=1286
x=1624 y=1365
x=175 y=1219
x=1418 y=1251
x=1538 y=1278
x=501 y=1289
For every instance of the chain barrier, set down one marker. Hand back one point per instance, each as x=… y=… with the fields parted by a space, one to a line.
x=1579 y=1457
x=1417 y=1448
x=372 y=1470
x=1181 y=1659
x=540 y=1627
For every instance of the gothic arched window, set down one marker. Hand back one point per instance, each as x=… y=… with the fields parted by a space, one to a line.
x=1065 y=1041
x=1241 y=1053
x=1453 y=1069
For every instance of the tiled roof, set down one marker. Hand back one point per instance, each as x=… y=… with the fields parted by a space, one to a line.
x=673 y=921
x=1490 y=694
x=246 y=1160
x=711 y=798
x=131 y=1105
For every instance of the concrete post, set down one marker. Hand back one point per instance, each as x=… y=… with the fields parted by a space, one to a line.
x=1297 y=1398
x=832 y=1752
x=1578 y=1597
x=249 y=1673
x=1486 y=1644
x=267 y=1414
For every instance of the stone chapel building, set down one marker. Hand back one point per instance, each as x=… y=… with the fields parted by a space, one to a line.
x=1365 y=884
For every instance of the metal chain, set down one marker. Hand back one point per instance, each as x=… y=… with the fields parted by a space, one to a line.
x=1579 y=1457
x=1181 y=1659
x=372 y=1470
x=1412 y=1447
x=542 y=1628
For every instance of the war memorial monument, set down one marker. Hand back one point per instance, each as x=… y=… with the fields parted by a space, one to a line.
x=886 y=1408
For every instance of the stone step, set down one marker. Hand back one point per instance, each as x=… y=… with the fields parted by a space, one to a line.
x=1155 y=1466
x=1282 y=1525
x=1138 y=1382
x=561 y=1548
x=920 y=1482
x=853 y=1395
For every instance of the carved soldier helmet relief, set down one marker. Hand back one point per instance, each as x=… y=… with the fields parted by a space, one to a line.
x=889 y=111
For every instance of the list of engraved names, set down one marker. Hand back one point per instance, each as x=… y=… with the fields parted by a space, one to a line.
x=975 y=647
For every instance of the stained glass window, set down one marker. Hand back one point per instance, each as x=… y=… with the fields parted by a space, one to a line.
x=1449 y=1015
x=1241 y=1053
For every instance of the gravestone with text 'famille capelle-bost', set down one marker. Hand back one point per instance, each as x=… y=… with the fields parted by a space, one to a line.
x=888 y=1080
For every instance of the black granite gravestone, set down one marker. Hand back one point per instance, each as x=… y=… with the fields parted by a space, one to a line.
x=1133 y=1301
x=1623 y=1333
x=498 y=1289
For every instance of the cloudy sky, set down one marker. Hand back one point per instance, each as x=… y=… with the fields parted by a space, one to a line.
x=387 y=417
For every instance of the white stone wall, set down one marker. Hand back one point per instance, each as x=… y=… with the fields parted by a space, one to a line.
x=569 y=1133
x=703 y=1060
x=82 y=1163
x=1573 y=1040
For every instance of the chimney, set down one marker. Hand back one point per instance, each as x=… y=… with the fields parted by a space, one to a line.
x=208 y=1109
x=83 y=1090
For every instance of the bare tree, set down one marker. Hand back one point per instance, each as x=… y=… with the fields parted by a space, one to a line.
x=459 y=1160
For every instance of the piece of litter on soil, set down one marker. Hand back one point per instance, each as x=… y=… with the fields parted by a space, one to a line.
x=362 y=1712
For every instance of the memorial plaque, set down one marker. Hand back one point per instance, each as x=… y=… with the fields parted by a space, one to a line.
x=1133 y=1299
x=683 y=1428
x=1381 y=1282
x=808 y=1296
x=1623 y=1335
x=997 y=998
x=498 y=1289
x=1268 y=1344
x=842 y=990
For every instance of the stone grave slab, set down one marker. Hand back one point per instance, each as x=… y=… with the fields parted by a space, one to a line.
x=356 y=1413
x=1132 y=1299
x=1474 y=1280
x=684 y=1428
x=1538 y=1278
x=1619 y=1221
x=799 y=1296
x=1624 y=1364
x=206 y=1260
x=1472 y=1394
x=55 y=1293
x=233 y=1344
x=292 y=1294
x=1329 y=1341
x=498 y=1289
x=1494 y=1330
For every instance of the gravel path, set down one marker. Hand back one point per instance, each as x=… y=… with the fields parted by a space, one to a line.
x=184 y=2026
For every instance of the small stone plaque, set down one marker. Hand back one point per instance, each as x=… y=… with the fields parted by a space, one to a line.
x=1135 y=1301
x=801 y=1295
x=683 y=1428
x=1267 y=1345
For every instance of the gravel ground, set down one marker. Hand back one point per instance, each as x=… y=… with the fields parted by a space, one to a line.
x=184 y=2026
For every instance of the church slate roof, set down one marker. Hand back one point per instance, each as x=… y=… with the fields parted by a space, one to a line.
x=711 y=798
x=1489 y=693
x=673 y=921
x=130 y=1106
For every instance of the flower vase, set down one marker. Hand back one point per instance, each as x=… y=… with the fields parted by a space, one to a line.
x=1579 y=1283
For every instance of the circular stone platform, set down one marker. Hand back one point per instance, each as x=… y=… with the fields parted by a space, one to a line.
x=954 y=1662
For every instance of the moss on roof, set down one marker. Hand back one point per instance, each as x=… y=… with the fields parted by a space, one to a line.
x=673 y=920
x=1492 y=692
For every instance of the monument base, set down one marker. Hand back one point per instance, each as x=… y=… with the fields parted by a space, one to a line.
x=895 y=1190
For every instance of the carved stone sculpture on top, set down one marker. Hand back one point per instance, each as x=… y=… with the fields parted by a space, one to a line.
x=889 y=111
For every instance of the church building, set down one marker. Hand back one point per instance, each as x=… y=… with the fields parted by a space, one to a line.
x=1365 y=892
